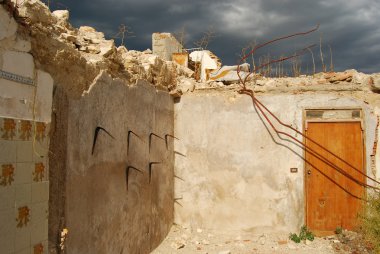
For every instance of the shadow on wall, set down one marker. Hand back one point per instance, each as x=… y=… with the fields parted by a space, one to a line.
x=119 y=179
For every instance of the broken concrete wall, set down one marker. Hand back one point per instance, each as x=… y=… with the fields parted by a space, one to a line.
x=25 y=113
x=164 y=45
x=104 y=213
x=236 y=173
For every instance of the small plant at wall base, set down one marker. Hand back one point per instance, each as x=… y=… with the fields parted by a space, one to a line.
x=370 y=221
x=339 y=230
x=304 y=235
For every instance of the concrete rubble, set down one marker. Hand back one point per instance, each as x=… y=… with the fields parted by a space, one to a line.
x=50 y=44
x=60 y=44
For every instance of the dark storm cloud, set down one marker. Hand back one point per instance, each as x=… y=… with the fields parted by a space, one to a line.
x=349 y=27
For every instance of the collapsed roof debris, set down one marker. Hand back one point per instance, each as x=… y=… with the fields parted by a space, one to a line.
x=56 y=45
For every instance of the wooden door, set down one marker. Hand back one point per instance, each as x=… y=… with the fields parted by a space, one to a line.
x=332 y=199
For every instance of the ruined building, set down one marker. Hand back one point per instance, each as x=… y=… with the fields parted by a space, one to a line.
x=103 y=148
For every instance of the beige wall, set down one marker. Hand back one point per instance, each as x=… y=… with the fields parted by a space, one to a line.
x=101 y=215
x=236 y=173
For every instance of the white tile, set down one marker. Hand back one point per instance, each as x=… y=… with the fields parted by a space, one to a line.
x=39 y=232
x=19 y=63
x=40 y=192
x=7 y=197
x=41 y=150
x=23 y=172
x=7 y=222
x=23 y=251
x=6 y=244
x=39 y=212
x=24 y=151
x=7 y=151
x=23 y=194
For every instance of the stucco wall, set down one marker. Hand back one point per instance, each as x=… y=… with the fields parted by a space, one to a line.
x=236 y=173
x=101 y=214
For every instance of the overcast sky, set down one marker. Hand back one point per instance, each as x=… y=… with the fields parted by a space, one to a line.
x=350 y=27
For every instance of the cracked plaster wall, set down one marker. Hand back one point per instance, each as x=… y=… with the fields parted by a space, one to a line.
x=236 y=174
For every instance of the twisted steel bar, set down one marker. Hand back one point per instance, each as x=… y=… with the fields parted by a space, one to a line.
x=263 y=109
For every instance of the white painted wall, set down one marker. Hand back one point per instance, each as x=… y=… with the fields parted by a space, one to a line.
x=236 y=173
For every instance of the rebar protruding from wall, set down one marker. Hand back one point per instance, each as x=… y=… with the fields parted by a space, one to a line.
x=281 y=59
x=181 y=154
x=127 y=173
x=97 y=129
x=180 y=178
x=151 y=167
x=176 y=201
x=129 y=138
x=166 y=139
x=262 y=108
x=150 y=138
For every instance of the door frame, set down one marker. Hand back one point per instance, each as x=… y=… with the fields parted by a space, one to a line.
x=305 y=122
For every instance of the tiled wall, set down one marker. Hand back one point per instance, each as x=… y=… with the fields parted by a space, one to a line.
x=24 y=186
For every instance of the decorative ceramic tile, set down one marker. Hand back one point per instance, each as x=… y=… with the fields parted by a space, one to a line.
x=25 y=130
x=23 y=216
x=8 y=128
x=38 y=248
x=39 y=172
x=7 y=174
x=41 y=131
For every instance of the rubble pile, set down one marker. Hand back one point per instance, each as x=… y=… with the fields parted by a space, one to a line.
x=56 y=46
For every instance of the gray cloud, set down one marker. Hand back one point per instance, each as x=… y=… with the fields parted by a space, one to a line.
x=350 y=27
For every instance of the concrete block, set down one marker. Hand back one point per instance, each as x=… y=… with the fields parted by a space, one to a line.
x=19 y=63
x=8 y=25
x=40 y=192
x=23 y=173
x=7 y=197
x=23 y=194
x=7 y=151
x=24 y=151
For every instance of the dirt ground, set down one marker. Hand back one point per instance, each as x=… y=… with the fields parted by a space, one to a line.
x=184 y=240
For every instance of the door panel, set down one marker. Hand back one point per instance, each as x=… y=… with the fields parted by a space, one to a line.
x=332 y=199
